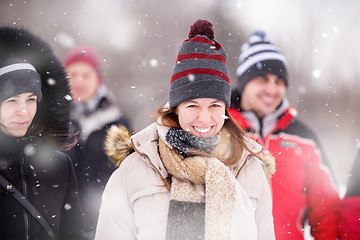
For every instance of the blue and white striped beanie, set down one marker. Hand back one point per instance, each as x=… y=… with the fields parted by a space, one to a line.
x=259 y=57
x=200 y=70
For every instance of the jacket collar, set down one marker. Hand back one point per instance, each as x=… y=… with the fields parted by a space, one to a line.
x=145 y=143
x=280 y=119
x=95 y=114
x=17 y=145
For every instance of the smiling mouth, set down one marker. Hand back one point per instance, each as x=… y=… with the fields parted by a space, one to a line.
x=202 y=130
x=268 y=100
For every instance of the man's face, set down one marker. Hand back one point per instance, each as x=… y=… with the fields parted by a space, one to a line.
x=84 y=81
x=263 y=94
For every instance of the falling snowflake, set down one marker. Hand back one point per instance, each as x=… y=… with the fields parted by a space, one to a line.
x=191 y=77
x=51 y=81
x=68 y=97
x=153 y=62
x=316 y=73
x=29 y=150
x=225 y=117
x=325 y=35
x=67 y=206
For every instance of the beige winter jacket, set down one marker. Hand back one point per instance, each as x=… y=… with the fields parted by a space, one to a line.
x=136 y=200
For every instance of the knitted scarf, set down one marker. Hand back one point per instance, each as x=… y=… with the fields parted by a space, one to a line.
x=185 y=142
x=206 y=200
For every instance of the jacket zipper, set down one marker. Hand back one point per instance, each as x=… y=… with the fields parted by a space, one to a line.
x=26 y=216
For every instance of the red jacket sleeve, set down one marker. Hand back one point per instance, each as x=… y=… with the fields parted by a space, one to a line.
x=323 y=198
x=349 y=227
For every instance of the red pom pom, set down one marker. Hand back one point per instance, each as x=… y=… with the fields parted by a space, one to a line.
x=202 y=27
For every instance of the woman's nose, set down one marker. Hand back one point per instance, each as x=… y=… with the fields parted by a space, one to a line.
x=204 y=116
x=22 y=109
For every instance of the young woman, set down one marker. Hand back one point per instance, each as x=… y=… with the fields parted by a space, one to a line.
x=192 y=174
x=34 y=120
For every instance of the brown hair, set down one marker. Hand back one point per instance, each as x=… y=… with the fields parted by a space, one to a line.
x=68 y=140
x=169 y=118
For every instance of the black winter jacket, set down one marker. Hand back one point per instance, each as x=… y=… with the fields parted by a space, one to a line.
x=46 y=177
x=31 y=163
x=92 y=166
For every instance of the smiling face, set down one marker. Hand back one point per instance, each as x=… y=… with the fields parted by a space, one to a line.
x=263 y=94
x=17 y=113
x=201 y=117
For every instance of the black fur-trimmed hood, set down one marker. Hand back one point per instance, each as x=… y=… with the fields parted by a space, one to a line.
x=54 y=109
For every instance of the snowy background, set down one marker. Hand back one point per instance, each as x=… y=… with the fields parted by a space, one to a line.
x=138 y=41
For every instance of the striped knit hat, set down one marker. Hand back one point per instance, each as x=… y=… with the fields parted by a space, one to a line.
x=200 y=70
x=259 y=57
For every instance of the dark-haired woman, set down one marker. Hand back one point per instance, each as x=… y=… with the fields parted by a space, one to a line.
x=34 y=119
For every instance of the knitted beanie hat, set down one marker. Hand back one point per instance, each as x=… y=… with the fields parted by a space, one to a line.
x=200 y=70
x=18 y=76
x=87 y=55
x=259 y=57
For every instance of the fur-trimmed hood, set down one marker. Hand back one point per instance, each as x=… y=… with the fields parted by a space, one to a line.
x=54 y=109
x=118 y=146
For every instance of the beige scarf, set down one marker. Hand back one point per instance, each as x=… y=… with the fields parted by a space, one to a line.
x=229 y=213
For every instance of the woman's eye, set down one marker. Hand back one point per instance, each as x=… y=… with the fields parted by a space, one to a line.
x=217 y=105
x=192 y=106
x=32 y=99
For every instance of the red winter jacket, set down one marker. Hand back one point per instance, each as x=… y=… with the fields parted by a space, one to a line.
x=349 y=228
x=301 y=185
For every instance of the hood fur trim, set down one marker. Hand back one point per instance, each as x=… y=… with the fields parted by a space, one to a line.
x=117 y=144
x=268 y=163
